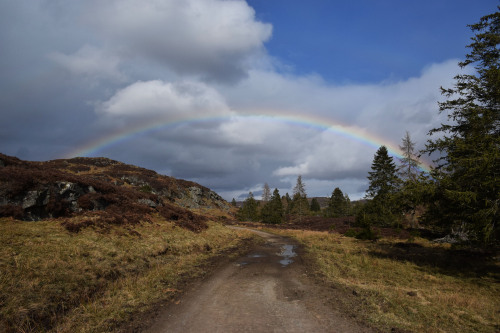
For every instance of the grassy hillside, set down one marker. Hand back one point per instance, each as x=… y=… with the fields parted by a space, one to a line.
x=88 y=243
x=416 y=286
x=96 y=280
x=101 y=189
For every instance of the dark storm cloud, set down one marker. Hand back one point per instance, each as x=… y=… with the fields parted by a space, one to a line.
x=208 y=38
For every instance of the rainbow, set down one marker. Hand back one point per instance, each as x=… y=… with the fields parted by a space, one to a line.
x=350 y=132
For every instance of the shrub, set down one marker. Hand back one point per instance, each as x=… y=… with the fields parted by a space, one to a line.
x=366 y=233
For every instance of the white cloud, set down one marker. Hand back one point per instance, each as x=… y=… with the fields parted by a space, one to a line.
x=272 y=135
x=329 y=156
x=165 y=100
x=168 y=60
x=266 y=148
x=385 y=110
x=91 y=62
x=365 y=105
x=211 y=38
x=240 y=131
x=300 y=169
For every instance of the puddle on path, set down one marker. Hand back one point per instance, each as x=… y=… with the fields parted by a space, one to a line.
x=241 y=264
x=251 y=256
x=287 y=253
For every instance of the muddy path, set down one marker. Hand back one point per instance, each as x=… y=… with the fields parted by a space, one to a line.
x=268 y=290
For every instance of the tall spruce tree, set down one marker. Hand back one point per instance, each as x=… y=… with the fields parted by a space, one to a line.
x=248 y=211
x=383 y=178
x=384 y=184
x=272 y=212
x=337 y=205
x=468 y=171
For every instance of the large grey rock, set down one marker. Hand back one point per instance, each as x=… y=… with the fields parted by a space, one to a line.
x=35 y=198
x=148 y=202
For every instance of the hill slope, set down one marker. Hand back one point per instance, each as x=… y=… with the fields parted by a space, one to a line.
x=100 y=191
x=88 y=244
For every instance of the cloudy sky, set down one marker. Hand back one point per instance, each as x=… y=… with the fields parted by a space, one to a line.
x=230 y=94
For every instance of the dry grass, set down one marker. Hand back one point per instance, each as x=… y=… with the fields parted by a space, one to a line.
x=418 y=286
x=54 y=280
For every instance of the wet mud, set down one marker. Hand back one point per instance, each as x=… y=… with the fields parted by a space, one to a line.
x=267 y=290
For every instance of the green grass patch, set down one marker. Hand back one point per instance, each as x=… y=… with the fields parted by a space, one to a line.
x=95 y=280
x=417 y=286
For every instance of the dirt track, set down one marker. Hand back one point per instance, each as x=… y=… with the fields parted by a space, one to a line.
x=266 y=291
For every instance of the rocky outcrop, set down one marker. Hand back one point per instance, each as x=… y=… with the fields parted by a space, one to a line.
x=202 y=197
x=48 y=200
x=38 y=190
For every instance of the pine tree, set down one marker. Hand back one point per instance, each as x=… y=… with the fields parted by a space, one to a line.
x=288 y=204
x=337 y=205
x=315 y=207
x=348 y=210
x=300 y=205
x=383 y=178
x=233 y=202
x=299 y=188
x=266 y=193
x=383 y=186
x=412 y=194
x=272 y=212
x=248 y=212
x=409 y=196
x=468 y=171
x=409 y=163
